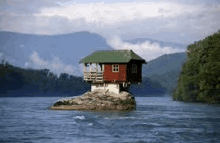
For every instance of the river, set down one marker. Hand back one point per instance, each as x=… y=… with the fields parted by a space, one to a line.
x=156 y=119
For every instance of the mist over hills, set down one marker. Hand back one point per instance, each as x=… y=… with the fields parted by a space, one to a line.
x=61 y=53
x=164 y=64
x=16 y=81
x=161 y=43
x=65 y=49
x=160 y=75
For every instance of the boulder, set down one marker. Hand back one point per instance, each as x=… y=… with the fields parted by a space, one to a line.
x=98 y=100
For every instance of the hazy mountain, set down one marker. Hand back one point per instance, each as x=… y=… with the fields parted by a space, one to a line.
x=164 y=64
x=160 y=75
x=26 y=81
x=148 y=87
x=70 y=48
x=161 y=43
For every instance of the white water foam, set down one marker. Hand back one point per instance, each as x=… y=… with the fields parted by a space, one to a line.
x=80 y=117
x=110 y=118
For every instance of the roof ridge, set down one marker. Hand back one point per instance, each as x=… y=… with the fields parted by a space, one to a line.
x=124 y=55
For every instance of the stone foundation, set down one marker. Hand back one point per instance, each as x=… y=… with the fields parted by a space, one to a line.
x=99 y=100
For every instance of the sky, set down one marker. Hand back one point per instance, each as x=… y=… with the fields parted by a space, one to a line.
x=178 y=21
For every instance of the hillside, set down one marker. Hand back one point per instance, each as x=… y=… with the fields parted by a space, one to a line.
x=159 y=75
x=64 y=50
x=162 y=72
x=148 y=87
x=68 y=48
x=17 y=81
x=29 y=82
x=200 y=76
x=164 y=64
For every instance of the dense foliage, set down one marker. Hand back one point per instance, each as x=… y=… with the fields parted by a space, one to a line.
x=27 y=82
x=15 y=81
x=200 y=76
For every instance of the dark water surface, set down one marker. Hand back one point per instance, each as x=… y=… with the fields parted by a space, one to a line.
x=156 y=119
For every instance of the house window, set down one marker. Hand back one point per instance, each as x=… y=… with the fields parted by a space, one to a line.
x=134 y=68
x=115 y=68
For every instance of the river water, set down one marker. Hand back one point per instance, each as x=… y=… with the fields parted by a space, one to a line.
x=156 y=119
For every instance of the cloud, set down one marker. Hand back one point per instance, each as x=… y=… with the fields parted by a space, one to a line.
x=146 y=50
x=55 y=66
x=113 y=14
x=171 y=21
x=35 y=59
x=6 y=58
x=27 y=6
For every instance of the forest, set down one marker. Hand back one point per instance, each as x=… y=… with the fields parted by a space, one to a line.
x=199 y=80
x=15 y=80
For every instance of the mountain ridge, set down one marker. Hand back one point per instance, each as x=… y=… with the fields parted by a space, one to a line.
x=162 y=72
x=69 y=48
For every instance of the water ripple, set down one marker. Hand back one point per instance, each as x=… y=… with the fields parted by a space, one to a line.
x=155 y=120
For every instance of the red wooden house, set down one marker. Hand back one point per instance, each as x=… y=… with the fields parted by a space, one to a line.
x=114 y=70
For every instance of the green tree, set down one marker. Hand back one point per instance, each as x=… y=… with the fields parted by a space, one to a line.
x=200 y=76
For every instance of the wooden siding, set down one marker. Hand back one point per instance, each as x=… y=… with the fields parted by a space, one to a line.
x=110 y=76
x=134 y=77
x=124 y=75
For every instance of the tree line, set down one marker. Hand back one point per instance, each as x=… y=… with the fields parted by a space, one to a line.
x=42 y=81
x=199 y=80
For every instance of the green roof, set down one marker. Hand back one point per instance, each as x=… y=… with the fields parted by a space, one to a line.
x=113 y=56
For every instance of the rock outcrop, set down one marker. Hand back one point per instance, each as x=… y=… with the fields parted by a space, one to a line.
x=98 y=100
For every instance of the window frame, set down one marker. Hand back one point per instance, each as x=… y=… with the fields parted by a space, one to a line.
x=113 y=67
x=134 y=69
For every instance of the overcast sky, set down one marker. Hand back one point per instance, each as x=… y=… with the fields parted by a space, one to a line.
x=179 y=21
x=172 y=20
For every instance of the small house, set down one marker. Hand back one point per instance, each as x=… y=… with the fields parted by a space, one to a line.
x=114 y=70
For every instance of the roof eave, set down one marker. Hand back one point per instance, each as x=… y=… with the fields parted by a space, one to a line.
x=142 y=61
